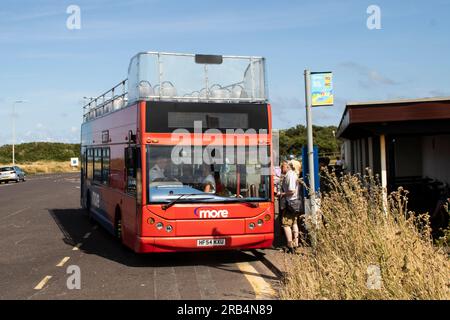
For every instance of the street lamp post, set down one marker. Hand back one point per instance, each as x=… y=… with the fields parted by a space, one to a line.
x=88 y=98
x=14 y=129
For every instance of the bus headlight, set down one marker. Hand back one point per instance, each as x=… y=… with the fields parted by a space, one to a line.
x=251 y=225
x=169 y=228
x=151 y=220
x=159 y=225
x=260 y=222
x=267 y=217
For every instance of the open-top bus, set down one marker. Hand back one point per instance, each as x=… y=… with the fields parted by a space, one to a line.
x=177 y=157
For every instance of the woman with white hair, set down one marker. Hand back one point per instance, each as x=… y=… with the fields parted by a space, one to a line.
x=290 y=205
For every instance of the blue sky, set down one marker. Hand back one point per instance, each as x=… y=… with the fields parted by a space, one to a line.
x=53 y=67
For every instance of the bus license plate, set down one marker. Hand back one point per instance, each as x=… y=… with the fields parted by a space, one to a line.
x=210 y=242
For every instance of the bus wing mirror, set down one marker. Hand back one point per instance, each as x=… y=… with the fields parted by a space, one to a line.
x=131 y=137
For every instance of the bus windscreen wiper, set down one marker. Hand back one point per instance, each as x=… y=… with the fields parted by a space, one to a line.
x=246 y=202
x=174 y=201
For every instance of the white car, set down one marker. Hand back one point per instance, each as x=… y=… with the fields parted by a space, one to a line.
x=11 y=173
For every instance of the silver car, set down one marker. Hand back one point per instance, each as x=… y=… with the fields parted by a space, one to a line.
x=11 y=173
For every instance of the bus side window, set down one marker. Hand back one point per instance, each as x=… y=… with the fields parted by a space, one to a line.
x=131 y=168
x=83 y=162
x=98 y=165
x=105 y=165
x=90 y=164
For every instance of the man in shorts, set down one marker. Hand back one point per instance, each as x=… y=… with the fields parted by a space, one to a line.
x=289 y=215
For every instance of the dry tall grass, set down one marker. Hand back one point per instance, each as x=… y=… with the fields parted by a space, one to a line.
x=45 y=167
x=357 y=239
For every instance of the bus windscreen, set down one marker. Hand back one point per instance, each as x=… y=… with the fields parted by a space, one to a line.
x=224 y=174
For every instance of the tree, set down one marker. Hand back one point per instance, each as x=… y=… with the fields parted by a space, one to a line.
x=293 y=139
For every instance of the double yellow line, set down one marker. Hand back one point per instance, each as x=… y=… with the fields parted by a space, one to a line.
x=263 y=290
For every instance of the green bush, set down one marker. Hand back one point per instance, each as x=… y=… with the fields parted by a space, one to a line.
x=367 y=248
x=40 y=151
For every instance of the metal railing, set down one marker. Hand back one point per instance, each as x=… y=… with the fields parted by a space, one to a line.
x=180 y=77
x=114 y=99
x=161 y=76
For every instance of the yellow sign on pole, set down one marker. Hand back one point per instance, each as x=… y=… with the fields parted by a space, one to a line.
x=322 y=89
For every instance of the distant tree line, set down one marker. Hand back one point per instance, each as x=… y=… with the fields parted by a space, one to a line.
x=292 y=140
x=40 y=151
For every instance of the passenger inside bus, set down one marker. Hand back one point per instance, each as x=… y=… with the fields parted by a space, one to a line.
x=157 y=171
x=209 y=183
x=188 y=176
x=228 y=179
x=221 y=189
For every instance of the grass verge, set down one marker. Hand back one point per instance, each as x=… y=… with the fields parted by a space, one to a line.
x=37 y=167
x=368 y=249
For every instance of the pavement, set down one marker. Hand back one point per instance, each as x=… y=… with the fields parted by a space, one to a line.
x=46 y=240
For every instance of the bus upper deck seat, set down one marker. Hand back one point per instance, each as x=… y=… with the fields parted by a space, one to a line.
x=238 y=92
x=145 y=89
x=118 y=103
x=220 y=93
x=167 y=89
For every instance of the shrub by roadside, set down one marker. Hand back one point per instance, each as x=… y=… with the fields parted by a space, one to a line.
x=40 y=151
x=363 y=251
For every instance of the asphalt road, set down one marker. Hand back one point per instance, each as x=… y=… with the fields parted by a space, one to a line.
x=43 y=231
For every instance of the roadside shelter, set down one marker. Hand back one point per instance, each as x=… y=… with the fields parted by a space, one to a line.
x=405 y=142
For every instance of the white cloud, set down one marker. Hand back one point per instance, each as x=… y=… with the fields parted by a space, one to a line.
x=369 y=77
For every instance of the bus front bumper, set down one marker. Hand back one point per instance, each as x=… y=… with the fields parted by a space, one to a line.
x=229 y=242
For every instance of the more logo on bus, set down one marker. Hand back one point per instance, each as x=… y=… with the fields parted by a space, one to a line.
x=210 y=213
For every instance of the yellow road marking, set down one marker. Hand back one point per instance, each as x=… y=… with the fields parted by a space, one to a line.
x=43 y=282
x=63 y=261
x=262 y=288
x=77 y=247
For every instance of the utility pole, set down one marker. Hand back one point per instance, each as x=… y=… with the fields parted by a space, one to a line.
x=318 y=92
x=14 y=129
x=309 y=130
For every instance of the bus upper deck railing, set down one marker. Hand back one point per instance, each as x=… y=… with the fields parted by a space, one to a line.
x=113 y=99
x=184 y=77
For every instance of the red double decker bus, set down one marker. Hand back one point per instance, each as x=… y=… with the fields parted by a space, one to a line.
x=177 y=157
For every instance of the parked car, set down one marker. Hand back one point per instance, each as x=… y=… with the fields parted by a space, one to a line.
x=11 y=173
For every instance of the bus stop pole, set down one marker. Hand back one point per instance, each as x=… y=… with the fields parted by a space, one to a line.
x=312 y=189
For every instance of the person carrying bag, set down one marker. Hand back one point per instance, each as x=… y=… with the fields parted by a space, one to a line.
x=291 y=205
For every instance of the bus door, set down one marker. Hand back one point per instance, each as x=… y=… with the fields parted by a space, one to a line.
x=130 y=202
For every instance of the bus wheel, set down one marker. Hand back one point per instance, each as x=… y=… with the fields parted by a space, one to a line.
x=88 y=206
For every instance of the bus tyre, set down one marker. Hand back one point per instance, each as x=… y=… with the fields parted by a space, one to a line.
x=88 y=207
